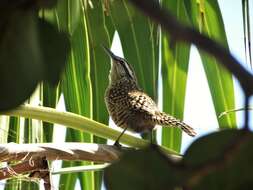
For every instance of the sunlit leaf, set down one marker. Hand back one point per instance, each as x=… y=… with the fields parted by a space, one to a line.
x=206 y=16
x=140 y=42
x=100 y=32
x=175 y=60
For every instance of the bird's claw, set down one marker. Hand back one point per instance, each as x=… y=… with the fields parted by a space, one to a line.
x=117 y=144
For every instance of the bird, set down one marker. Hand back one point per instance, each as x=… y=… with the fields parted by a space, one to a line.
x=129 y=106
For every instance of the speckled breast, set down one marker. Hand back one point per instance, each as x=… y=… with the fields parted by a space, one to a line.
x=117 y=101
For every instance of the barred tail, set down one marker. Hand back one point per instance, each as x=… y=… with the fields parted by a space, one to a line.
x=165 y=119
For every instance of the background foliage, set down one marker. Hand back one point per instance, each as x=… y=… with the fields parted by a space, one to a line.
x=72 y=31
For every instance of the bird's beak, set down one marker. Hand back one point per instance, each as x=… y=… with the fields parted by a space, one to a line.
x=108 y=51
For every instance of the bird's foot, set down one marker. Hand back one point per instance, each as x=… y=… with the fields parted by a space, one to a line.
x=117 y=144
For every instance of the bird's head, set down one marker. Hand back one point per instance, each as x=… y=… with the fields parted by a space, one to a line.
x=119 y=68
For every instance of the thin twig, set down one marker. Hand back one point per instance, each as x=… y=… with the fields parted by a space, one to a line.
x=234 y=110
x=43 y=173
x=246 y=113
x=21 y=168
x=29 y=154
x=64 y=151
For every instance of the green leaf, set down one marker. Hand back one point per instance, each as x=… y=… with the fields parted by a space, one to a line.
x=79 y=123
x=26 y=57
x=50 y=98
x=76 y=84
x=206 y=16
x=32 y=133
x=25 y=4
x=54 y=47
x=14 y=129
x=140 y=42
x=68 y=181
x=100 y=31
x=225 y=156
x=68 y=15
x=209 y=163
x=175 y=60
x=144 y=169
x=100 y=62
x=20 y=58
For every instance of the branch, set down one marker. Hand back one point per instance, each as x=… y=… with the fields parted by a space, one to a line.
x=184 y=33
x=32 y=153
x=27 y=166
x=43 y=173
x=78 y=122
x=62 y=151
x=38 y=168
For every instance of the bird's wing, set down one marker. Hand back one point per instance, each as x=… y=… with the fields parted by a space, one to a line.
x=140 y=101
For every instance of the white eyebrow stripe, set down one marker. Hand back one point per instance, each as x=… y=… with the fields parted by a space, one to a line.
x=127 y=68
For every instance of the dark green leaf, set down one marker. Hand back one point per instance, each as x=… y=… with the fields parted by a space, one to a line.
x=54 y=47
x=50 y=98
x=45 y=4
x=222 y=161
x=24 y=4
x=145 y=169
x=30 y=50
x=13 y=132
x=20 y=58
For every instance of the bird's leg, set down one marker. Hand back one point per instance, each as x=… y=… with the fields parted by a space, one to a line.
x=153 y=138
x=117 y=140
x=148 y=135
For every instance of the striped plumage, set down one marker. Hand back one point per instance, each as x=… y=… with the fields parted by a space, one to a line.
x=129 y=106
